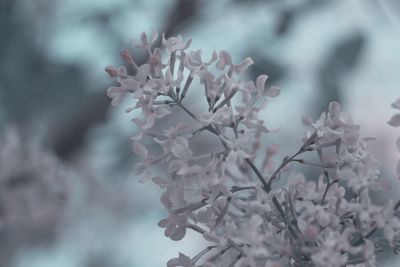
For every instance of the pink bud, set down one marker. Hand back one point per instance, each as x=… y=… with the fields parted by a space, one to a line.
x=311 y=231
x=112 y=71
x=127 y=55
x=272 y=149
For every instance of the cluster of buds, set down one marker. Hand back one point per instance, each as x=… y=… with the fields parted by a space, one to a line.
x=222 y=194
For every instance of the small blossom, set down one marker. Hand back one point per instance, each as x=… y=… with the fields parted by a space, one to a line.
x=175 y=43
x=182 y=260
x=175 y=226
x=243 y=66
x=225 y=59
x=237 y=150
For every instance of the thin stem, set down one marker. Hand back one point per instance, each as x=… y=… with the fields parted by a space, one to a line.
x=235 y=260
x=266 y=186
x=202 y=253
x=186 y=87
x=282 y=212
x=397 y=205
x=322 y=165
x=370 y=233
x=172 y=62
x=219 y=254
x=196 y=228
x=223 y=102
x=192 y=206
x=328 y=185
x=237 y=188
x=223 y=212
x=204 y=156
x=285 y=161
x=183 y=107
x=355 y=261
x=187 y=111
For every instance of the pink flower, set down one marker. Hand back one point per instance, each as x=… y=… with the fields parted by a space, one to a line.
x=182 y=260
x=174 y=143
x=175 y=226
x=236 y=149
x=175 y=43
x=327 y=221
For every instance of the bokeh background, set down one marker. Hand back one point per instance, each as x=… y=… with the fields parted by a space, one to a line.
x=68 y=195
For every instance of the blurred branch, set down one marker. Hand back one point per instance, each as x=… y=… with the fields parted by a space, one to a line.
x=338 y=65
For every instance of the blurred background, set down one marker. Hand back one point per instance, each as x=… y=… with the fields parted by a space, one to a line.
x=68 y=195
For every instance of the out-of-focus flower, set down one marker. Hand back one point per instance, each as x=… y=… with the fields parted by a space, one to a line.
x=34 y=193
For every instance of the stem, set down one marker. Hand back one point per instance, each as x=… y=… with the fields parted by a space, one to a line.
x=235 y=260
x=202 y=253
x=223 y=212
x=223 y=102
x=183 y=107
x=196 y=228
x=266 y=186
x=219 y=254
x=370 y=233
x=187 y=111
x=285 y=161
x=192 y=206
x=186 y=87
x=281 y=211
x=355 y=261
x=328 y=185
x=172 y=62
x=321 y=165
x=237 y=188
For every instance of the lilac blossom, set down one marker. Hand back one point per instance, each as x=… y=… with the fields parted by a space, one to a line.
x=223 y=195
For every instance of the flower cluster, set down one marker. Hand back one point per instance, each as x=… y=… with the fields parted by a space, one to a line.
x=222 y=194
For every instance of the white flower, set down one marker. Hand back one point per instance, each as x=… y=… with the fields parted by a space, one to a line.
x=182 y=260
x=222 y=117
x=225 y=59
x=175 y=43
x=237 y=149
x=175 y=226
x=174 y=143
x=145 y=42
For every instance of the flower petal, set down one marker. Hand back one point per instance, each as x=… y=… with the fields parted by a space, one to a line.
x=260 y=82
x=139 y=149
x=244 y=65
x=273 y=91
x=334 y=108
x=112 y=71
x=306 y=121
x=224 y=59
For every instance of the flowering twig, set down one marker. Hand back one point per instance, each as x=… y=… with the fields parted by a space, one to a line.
x=311 y=223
